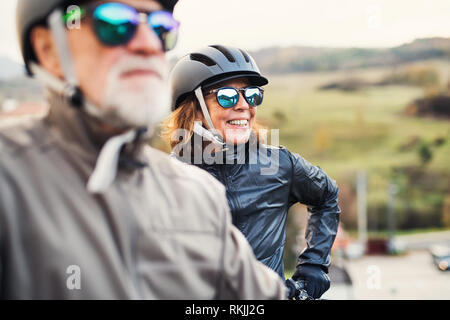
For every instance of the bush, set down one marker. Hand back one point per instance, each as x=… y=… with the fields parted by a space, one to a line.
x=434 y=106
x=415 y=76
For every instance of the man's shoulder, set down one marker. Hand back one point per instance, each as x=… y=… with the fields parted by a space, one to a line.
x=192 y=187
x=175 y=169
x=18 y=134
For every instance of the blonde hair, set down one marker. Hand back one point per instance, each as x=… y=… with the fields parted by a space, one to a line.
x=183 y=118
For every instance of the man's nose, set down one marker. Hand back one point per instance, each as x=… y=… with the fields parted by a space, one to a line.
x=145 y=42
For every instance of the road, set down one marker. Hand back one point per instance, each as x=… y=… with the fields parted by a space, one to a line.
x=423 y=240
x=408 y=276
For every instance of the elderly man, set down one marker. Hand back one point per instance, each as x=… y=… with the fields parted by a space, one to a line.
x=87 y=208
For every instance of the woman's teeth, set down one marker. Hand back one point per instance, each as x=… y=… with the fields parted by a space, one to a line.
x=238 y=122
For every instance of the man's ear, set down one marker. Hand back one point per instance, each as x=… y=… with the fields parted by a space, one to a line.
x=45 y=50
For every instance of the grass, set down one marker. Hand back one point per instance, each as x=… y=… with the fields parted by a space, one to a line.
x=344 y=132
x=349 y=130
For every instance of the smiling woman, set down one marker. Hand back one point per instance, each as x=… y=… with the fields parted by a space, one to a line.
x=216 y=92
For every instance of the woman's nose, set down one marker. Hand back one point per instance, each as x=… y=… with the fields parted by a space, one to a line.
x=242 y=102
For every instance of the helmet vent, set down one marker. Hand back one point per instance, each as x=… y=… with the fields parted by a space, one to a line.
x=225 y=52
x=202 y=58
x=246 y=57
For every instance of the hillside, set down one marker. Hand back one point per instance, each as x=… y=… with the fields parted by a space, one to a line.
x=367 y=129
x=276 y=60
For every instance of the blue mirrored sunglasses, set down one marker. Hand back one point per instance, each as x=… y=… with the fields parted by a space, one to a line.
x=228 y=97
x=116 y=23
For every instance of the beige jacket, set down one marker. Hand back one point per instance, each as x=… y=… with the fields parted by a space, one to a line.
x=159 y=232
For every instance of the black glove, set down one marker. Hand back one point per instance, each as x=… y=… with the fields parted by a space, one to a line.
x=296 y=290
x=317 y=281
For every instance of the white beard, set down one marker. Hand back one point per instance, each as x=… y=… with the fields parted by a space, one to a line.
x=137 y=102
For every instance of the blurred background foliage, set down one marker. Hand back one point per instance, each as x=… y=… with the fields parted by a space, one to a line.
x=382 y=111
x=385 y=112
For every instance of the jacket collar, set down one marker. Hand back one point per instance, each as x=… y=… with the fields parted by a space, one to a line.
x=237 y=154
x=233 y=154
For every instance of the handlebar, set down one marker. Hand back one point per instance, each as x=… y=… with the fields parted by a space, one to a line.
x=296 y=290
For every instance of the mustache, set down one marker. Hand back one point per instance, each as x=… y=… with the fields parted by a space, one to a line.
x=157 y=65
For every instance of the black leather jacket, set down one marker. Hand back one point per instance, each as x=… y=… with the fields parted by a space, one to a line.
x=259 y=201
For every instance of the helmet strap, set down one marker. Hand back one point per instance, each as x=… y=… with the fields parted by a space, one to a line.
x=210 y=134
x=62 y=46
x=201 y=131
x=201 y=100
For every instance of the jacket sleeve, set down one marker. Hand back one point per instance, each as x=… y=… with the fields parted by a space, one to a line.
x=243 y=277
x=312 y=187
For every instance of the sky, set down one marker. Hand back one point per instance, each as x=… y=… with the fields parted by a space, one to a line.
x=254 y=24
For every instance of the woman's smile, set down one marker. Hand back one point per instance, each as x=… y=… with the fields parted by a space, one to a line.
x=238 y=123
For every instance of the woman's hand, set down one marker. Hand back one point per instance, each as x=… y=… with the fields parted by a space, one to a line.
x=317 y=281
